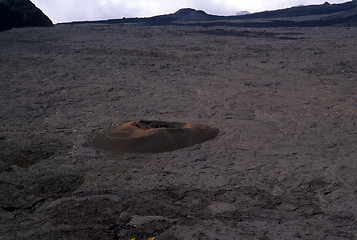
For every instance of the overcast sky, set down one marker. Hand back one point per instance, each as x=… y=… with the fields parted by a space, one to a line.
x=79 y=10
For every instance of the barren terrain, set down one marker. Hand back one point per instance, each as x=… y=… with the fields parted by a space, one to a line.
x=282 y=167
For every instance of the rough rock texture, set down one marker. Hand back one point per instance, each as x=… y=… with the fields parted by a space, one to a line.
x=21 y=13
x=283 y=165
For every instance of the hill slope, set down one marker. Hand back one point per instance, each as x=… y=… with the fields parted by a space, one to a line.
x=21 y=13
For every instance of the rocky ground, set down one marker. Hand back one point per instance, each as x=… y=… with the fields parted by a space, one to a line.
x=282 y=167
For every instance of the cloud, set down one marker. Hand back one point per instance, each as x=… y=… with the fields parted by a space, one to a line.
x=79 y=10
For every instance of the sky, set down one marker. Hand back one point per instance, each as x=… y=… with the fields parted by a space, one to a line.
x=81 y=10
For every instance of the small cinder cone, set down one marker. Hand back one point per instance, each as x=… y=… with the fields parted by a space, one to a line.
x=154 y=136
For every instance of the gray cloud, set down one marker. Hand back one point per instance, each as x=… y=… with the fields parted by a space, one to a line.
x=78 y=10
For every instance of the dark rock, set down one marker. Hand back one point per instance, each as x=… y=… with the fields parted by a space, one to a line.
x=21 y=13
x=25 y=150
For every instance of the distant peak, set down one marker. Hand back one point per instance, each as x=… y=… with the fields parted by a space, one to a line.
x=185 y=11
x=190 y=15
x=327 y=4
x=240 y=13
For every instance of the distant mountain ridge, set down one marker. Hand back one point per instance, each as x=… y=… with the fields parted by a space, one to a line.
x=183 y=15
x=299 y=11
x=324 y=15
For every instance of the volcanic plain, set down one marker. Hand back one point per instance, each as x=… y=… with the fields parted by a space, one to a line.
x=283 y=165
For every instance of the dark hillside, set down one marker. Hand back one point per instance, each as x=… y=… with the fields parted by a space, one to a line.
x=21 y=13
x=299 y=11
